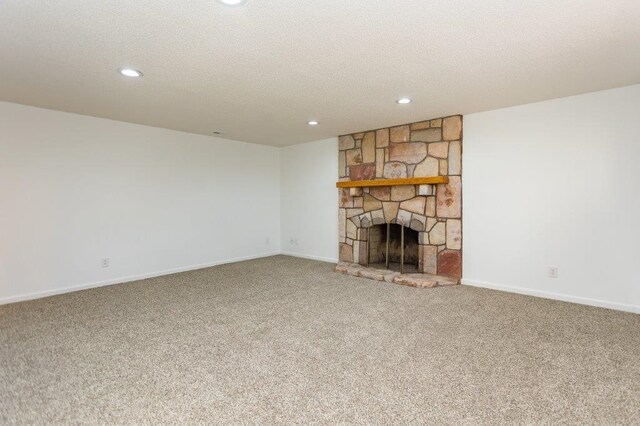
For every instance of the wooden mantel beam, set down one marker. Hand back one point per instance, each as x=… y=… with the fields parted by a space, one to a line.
x=394 y=182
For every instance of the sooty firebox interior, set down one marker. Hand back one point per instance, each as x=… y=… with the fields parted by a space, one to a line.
x=393 y=233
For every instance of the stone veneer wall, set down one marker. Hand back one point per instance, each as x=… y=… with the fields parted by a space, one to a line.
x=427 y=148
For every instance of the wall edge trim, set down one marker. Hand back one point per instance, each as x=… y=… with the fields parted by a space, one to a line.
x=126 y=279
x=310 y=257
x=553 y=296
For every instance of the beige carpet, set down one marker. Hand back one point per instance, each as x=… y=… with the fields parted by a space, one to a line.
x=285 y=340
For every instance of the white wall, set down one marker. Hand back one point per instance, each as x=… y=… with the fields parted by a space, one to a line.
x=75 y=189
x=309 y=200
x=556 y=183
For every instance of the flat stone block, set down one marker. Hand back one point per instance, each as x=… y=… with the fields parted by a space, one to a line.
x=416 y=280
x=394 y=170
x=415 y=205
x=427 y=135
x=438 y=150
x=452 y=128
x=356 y=251
x=403 y=192
x=342 y=267
x=399 y=134
x=382 y=138
x=449 y=198
x=351 y=230
x=427 y=168
x=382 y=193
x=444 y=167
x=372 y=274
x=416 y=224
x=362 y=172
x=404 y=217
x=455 y=158
x=425 y=190
x=369 y=147
x=363 y=252
x=410 y=153
x=450 y=263
x=420 y=126
x=423 y=238
x=345 y=200
x=342 y=164
x=390 y=276
x=353 y=212
x=437 y=234
x=377 y=217
x=430 y=208
x=430 y=260
x=346 y=142
x=379 y=162
x=454 y=234
x=390 y=210
x=355 y=192
x=354 y=157
x=346 y=253
x=371 y=203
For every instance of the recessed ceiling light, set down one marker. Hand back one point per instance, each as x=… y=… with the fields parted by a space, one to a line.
x=232 y=2
x=313 y=123
x=404 y=101
x=130 y=72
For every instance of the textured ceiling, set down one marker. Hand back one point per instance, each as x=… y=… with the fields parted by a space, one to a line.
x=259 y=72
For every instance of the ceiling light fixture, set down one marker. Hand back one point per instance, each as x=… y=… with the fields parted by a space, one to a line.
x=130 y=72
x=313 y=123
x=232 y=2
x=403 y=101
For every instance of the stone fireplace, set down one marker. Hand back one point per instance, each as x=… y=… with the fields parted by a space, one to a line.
x=429 y=215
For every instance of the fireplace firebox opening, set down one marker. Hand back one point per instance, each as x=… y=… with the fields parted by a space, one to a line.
x=394 y=247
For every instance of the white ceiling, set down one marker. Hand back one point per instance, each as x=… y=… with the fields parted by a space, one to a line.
x=259 y=72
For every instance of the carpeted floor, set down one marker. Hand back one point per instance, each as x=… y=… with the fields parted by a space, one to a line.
x=286 y=340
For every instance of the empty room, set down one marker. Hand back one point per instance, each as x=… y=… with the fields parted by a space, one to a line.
x=319 y=212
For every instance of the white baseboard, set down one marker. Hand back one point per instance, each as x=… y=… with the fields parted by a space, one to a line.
x=555 y=296
x=121 y=280
x=474 y=283
x=306 y=256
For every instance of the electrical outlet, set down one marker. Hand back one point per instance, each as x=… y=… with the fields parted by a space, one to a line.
x=292 y=240
x=104 y=262
x=553 y=272
x=266 y=240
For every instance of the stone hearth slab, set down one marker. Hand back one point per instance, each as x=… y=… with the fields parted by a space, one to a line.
x=416 y=280
x=371 y=273
x=412 y=280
